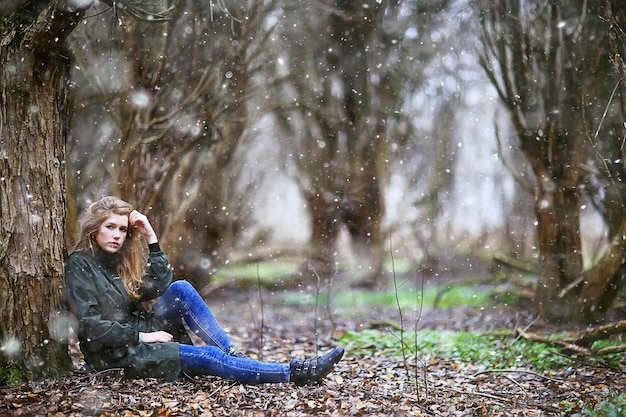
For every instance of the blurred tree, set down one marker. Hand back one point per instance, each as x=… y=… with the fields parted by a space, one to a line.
x=549 y=63
x=33 y=128
x=325 y=58
x=177 y=97
x=606 y=185
x=346 y=185
x=219 y=210
x=425 y=65
x=345 y=72
x=338 y=152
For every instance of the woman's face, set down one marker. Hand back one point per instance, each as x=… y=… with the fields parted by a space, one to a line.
x=111 y=234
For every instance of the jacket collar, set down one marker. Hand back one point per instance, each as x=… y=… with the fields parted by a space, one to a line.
x=108 y=260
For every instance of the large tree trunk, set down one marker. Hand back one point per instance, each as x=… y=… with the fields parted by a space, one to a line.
x=600 y=284
x=34 y=86
x=558 y=218
x=557 y=90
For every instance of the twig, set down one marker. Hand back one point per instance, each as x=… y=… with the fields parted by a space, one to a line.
x=523 y=266
x=329 y=312
x=519 y=371
x=417 y=320
x=572 y=344
x=532 y=323
x=563 y=344
x=518 y=385
x=599 y=332
x=400 y=327
x=482 y=394
x=516 y=175
x=395 y=287
x=317 y=302
x=600 y=365
x=261 y=329
x=610 y=349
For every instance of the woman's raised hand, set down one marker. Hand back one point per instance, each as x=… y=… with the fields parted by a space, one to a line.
x=141 y=222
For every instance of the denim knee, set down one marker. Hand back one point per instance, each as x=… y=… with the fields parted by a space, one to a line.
x=181 y=286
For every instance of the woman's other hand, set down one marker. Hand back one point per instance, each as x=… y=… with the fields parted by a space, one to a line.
x=155 y=337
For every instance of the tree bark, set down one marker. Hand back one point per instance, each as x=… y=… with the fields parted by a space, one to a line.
x=562 y=260
x=34 y=102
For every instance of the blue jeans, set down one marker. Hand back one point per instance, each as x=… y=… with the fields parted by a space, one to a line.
x=181 y=302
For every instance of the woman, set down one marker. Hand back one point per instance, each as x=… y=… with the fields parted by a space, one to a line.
x=106 y=280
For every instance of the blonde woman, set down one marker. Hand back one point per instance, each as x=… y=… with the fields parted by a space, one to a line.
x=107 y=277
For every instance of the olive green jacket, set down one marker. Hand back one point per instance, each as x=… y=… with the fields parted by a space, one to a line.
x=109 y=321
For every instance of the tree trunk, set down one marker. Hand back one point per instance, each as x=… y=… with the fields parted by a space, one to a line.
x=349 y=190
x=325 y=222
x=600 y=283
x=558 y=216
x=34 y=85
x=543 y=74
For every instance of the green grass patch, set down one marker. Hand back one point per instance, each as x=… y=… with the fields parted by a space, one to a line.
x=496 y=351
x=614 y=407
x=266 y=271
x=408 y=298
x=272 y=271
x=11 y=376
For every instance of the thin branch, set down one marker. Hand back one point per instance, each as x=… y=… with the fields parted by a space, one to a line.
x=518 y=178
x=261 y=306
x=518 y=371
x=483 y=394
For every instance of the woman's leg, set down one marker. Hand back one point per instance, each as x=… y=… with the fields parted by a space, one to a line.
x=180 y=302
x=211 y=360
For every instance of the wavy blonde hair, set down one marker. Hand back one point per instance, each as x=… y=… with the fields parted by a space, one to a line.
x=133 y=259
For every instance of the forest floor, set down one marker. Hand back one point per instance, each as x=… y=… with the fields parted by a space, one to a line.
x=367 y=382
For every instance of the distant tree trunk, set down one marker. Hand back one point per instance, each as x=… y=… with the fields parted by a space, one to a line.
x=34 y=125
x=557 y=90
x=557 y=209
x=601 y=283
x=345 y=176
x=213 y=219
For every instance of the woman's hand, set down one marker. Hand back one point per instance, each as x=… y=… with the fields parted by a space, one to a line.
x=140 y=221
x=155 y=337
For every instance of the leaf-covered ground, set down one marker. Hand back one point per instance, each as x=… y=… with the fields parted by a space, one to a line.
x=370 y=381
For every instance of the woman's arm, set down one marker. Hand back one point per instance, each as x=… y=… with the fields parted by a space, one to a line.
x=158 y=276
x=159 y=273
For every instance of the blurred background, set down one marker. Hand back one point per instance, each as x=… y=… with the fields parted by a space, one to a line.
x=338 y=135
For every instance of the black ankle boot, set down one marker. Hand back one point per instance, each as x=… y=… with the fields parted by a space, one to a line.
x=311 y=371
